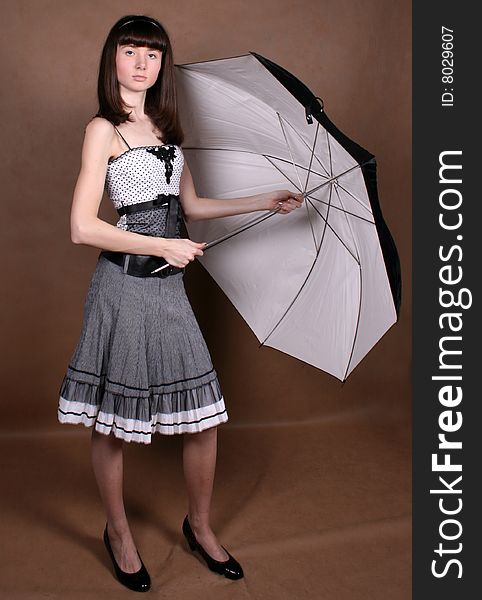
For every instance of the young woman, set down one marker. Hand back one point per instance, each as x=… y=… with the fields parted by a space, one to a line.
x=141 y=364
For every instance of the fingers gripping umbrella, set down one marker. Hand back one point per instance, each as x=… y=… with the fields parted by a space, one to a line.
x=322 y=283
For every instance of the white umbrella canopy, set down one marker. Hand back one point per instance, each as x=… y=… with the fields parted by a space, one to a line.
x=322 y=283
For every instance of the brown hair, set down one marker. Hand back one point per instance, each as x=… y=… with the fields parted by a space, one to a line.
x=161 y=100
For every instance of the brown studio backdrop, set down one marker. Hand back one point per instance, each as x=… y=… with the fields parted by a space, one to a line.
x=357 y=58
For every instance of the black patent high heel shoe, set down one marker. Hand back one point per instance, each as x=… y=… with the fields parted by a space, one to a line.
x=230 y=568
x=138 y=581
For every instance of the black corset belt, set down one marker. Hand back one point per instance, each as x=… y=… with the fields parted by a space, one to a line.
x=171 y=200
x=140 y=265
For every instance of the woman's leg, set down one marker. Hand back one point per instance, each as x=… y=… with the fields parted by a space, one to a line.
x=107 y=461
x=199 y=462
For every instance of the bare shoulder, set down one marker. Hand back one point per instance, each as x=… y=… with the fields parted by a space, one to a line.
x=98 y=140
x=100 y=129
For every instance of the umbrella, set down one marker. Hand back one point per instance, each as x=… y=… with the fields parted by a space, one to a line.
x=322 y=283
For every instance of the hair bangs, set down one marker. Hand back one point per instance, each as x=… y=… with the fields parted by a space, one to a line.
x=142 y=33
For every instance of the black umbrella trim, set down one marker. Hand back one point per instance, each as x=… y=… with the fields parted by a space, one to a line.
x=367 y=164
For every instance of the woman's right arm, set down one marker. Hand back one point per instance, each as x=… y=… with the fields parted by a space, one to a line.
x=85 y=226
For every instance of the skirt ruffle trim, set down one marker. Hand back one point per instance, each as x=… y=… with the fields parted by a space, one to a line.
x=136 y=419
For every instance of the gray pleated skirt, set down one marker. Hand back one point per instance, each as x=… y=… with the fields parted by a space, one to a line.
x=141 y=364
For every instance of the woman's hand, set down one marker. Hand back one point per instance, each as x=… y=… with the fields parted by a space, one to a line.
x=285 y=200
x=178 y=252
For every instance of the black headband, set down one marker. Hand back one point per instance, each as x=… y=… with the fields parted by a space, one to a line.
x=141 y=19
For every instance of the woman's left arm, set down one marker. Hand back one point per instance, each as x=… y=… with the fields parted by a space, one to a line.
x=197 y=209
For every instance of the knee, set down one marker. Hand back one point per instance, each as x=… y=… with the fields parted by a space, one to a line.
x=108 y=439
x=205 y=433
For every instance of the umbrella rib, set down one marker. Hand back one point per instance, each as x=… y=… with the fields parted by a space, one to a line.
x=294 y=185
x=343 y=210
x=357 y=324
x=333 y=230
x=289 y=149
x=357 y=259
x=306 y=194
x=307 y=178
x=304 y=282
x=284 y=174
x=346 y=218
x=355 y=198
x=329 y=152
x=349 y=227
x=347 y=221
x=299 y=178
x=303 y=141
x=311 y=157
x=302 y=167
x=333 y=178
x=255 y=154
x=360 y=285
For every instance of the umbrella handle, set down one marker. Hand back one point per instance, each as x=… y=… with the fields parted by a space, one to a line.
x=161 y=268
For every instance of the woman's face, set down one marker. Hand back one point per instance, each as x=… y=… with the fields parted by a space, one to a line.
x=137 y=66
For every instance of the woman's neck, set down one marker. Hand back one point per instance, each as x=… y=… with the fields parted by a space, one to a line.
x=134 y=101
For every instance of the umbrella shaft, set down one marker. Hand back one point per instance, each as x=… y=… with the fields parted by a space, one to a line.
x=240 y=229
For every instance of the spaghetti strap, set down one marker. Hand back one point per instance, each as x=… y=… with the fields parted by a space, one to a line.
x=122 y=137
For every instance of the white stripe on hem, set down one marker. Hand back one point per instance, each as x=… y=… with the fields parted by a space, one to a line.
x=188 y=421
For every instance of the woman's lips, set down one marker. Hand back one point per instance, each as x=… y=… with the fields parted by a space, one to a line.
x=139 y=78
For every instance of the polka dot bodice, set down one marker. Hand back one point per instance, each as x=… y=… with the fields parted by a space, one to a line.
x=143 y=174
